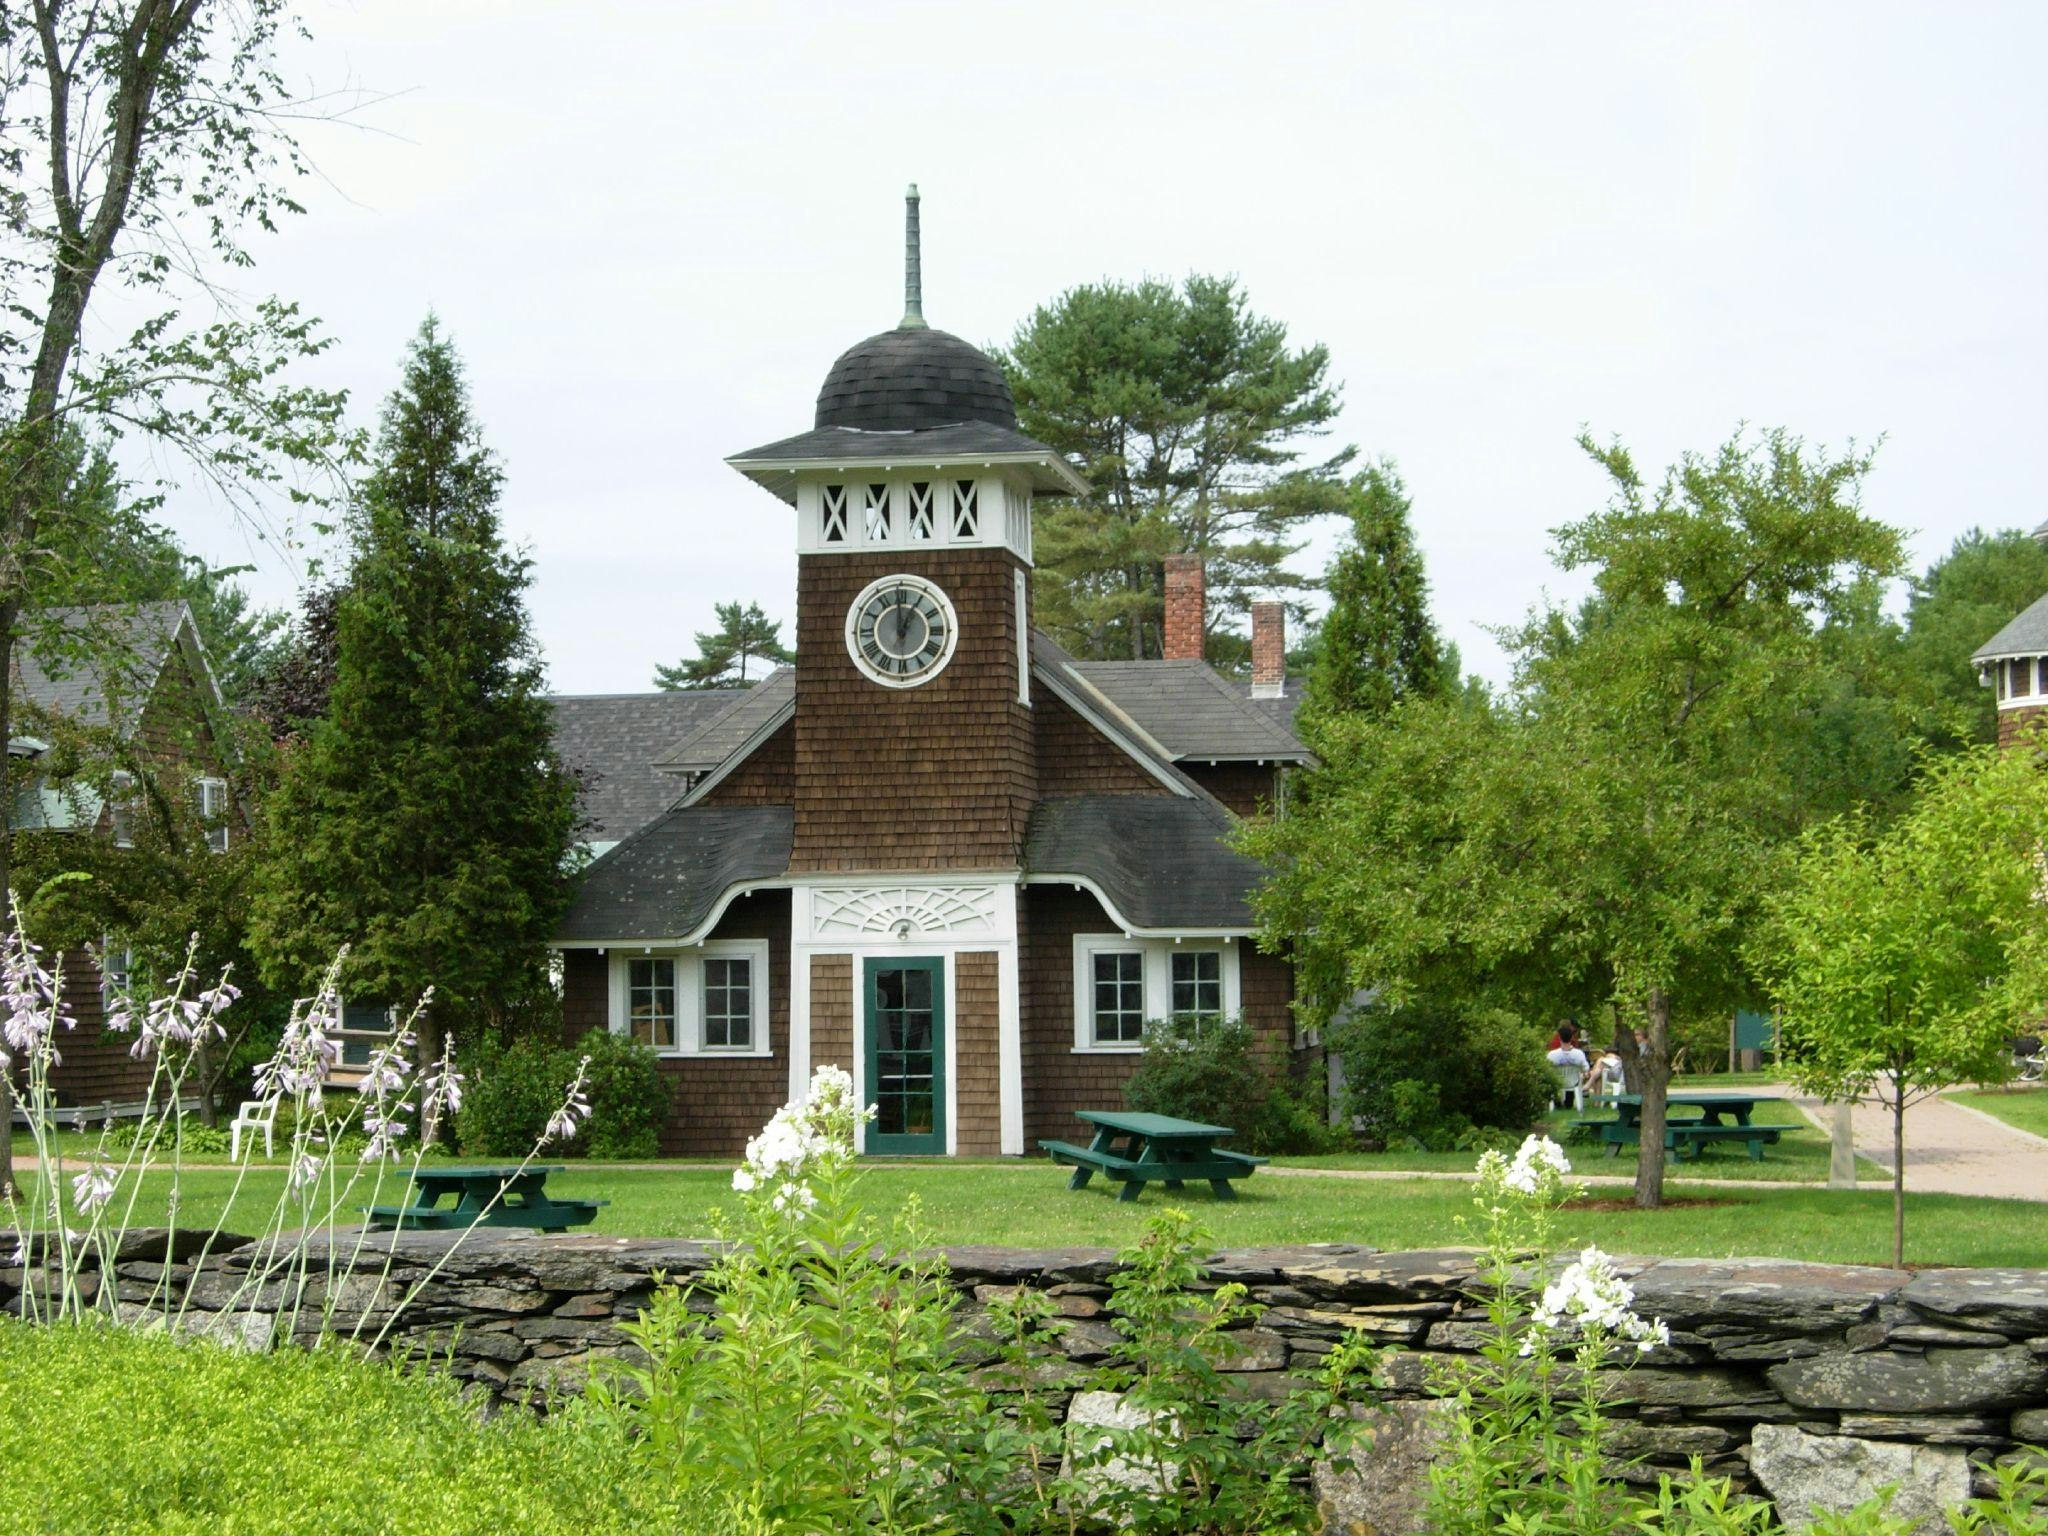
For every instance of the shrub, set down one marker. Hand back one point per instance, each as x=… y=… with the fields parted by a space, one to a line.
x=515 y=1087
x=163 y=1436
x=1208 y=1070
x=1439 y=1078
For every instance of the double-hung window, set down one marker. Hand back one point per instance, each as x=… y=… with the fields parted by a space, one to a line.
x=728 y=1002
x=1198 y=983
x=706 y=1000
x=213 y=812
x=1117 y=1010
x=651 y=1001
x=1121 y=982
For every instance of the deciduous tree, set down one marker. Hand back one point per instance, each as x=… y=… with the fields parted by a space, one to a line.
x=140 y=142
x=1193 y=420
x=1902 y=960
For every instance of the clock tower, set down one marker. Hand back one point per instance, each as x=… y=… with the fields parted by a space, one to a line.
x=913 y=743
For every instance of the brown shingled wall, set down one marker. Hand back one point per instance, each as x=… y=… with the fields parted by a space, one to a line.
x=940 y=776
x=768 y=777
x=832 y=1012
x=1076 y=759
x=1246 y=788
x=96 y=1068
x=978 y=1092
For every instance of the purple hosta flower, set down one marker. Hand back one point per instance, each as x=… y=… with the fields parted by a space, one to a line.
x=385 y=1129
x=93 y=1188
x=31 y=1009
x=388 y=1067
x=441 y=1089
x=305 y=1055
x=562 y=1124
x=305 y=1172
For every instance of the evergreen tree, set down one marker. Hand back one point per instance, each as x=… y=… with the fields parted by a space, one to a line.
x=1190 y=417
x=744 y=635
x=1376 y=645
x=425 y=823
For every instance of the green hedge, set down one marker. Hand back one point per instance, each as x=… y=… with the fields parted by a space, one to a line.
x=514 y=1088
x=104 y=1429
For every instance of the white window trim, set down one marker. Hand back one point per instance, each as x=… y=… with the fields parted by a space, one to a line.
x=210 y=788
x=689 y=965
x=1023 y=637
x=1158 y=975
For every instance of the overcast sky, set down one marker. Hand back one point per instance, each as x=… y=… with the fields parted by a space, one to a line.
x=652 y=227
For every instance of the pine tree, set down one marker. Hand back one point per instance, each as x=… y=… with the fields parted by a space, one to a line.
x=1376 y=646
x=425 y=823
x=744 y=635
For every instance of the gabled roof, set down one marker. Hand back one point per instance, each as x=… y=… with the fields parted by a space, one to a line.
x=2026 y=635
x=737 y=726
x=1157 y=863
x=1192 y=712
x=773 y=466
x=101 y=663
x=669 y=881
x=613 y=739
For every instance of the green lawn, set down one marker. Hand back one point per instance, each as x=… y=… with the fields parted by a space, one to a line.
x=1028 y=1204
x=2023 y=1107
x=1800 y=1157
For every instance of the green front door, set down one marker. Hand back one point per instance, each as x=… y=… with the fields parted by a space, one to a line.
x=906 y=1055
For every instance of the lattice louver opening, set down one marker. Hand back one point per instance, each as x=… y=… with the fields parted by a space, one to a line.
x=966 y=510
x=834 y=502
x=875 y=511
x=921 y=520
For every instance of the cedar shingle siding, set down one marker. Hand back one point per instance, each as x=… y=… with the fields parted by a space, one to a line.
x=832 y=1012
x=768 y=777
x=1076 y=759
x=940 y=776
x=715 y=1102
x=1247 y=788
x=978 y=1092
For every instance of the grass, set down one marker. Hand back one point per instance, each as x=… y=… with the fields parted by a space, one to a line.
x=2023 y=1108
x=1028 y=1204
x=1800 y=1157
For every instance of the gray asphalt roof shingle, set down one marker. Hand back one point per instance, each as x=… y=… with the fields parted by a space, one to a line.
x=725 y=733
x=120 y=649
x=2026 y=635
x=664 y=882
x=1191 y=711
x=1158 y=858
x=767 y=465
x=904 y=379
x=614 y=739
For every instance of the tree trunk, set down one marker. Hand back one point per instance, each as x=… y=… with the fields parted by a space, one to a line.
x=1898 y=1176
x=202 y=1070
x=1653 y=1072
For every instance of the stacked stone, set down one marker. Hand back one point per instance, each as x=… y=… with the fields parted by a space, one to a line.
x=1807 y=1380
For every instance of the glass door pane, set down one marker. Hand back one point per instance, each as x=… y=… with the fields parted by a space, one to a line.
x=906 y=1055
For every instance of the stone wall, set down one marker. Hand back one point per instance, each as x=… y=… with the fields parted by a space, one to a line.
x=1798 y=1377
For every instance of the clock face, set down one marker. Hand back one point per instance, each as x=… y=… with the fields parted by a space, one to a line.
x=900 y=631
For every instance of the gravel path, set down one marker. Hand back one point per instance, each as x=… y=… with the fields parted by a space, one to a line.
x=1951 y=1149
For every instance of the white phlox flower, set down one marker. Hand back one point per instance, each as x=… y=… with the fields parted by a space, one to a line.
x=1590 y=1298
x=801 y=1135
x=1537 y=1170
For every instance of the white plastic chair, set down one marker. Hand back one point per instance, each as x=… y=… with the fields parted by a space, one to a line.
x=254 y=1115
x=1571 y=1084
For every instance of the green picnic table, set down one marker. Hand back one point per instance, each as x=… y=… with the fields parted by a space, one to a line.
x=494 y=1195
x=1134 y=1149
x=1701 y=1119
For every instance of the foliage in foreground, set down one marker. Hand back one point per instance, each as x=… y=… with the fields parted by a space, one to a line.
x=163 y=1436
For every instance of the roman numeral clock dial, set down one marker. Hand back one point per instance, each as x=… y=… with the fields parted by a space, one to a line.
x=900 y=631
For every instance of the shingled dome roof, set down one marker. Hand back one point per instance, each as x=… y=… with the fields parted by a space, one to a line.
x=912 y=378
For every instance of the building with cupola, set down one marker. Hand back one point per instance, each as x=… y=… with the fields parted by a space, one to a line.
x=937 y=851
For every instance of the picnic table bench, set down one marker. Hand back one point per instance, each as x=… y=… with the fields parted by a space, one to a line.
x=1692 y=1122
x=505 y=1195
x=1135 y=1149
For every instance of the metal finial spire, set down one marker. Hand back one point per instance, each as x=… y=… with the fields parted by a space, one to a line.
x=913 y=272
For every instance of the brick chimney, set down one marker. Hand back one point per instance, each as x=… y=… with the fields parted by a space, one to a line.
x=1186 y=590
x=1269 y=649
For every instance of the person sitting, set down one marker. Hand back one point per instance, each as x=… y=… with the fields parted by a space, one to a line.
x=1569 y=1061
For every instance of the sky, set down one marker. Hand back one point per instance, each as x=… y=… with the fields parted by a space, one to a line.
x=651 y=227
